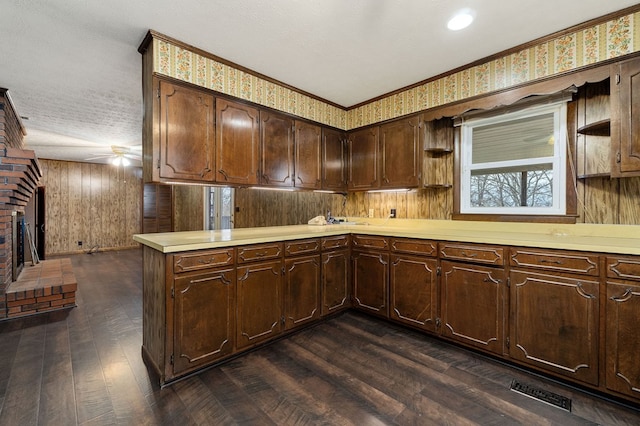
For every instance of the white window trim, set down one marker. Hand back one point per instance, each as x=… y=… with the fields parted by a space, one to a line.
x=558 y=162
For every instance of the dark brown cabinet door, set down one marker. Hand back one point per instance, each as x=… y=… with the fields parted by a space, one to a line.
x=302 y=296
x=371 y=282
x=554 y=323
x=259 y=303
x=335 y=281
x=471 y=303
x=237 y=143
x=334 y=160
x=308 y=155
x=186 y=133
x=623 y=338
x=363 y=160
x=400 y=154
x=204 y=317
x=413 y=288
x=276 y=142
x=625 y=126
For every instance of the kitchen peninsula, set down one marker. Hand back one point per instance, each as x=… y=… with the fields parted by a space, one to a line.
x=558 y=299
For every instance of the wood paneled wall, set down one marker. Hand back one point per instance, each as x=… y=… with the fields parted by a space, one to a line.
x=610 y=201
x=188 y=209
x=600 y=201
x=273 y=208
x=97 y=204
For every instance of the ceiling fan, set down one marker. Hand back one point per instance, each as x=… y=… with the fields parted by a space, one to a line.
x=119 y=156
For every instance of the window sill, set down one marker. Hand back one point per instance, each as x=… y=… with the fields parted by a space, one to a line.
x=515 y=218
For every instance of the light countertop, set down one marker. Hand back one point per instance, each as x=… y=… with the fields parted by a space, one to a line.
x=619 y=239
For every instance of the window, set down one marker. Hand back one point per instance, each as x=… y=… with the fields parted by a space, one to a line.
x=515 y=163
x=220 y=212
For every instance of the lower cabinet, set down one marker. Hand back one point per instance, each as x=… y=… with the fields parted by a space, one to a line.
x=554 y=323
x=622 y=332
x=371 y=282
x=259 y=303
x=204 y=318
x=413 y=291
x=302 y=293
x=472 y=305
x=336 y=284
x=202 y=306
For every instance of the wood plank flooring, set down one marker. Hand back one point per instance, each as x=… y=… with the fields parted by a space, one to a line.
x=84 y=367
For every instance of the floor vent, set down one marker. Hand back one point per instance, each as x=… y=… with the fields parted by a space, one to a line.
x=542 y=395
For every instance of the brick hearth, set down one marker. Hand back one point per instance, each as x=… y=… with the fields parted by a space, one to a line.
x=46 y=286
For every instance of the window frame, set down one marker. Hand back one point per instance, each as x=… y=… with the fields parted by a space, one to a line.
x=566 y=185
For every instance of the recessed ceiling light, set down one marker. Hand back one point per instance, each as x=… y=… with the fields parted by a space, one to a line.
x=461 y=20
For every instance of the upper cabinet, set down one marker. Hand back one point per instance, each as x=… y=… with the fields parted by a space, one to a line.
x=291 y=152
x=237 y=143
x=185 y=133
x=400 y=154
x=276 y=142
x=625 y=118
x=363 y=160
x=308 y=147
x=334 y=160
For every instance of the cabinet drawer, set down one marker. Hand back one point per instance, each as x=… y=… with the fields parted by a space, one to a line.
x=624 y=267
x=193 y=261
x=368 y=241
x=559 y=261
x=490 y=255
x=295 y=248
x=259 y=252
x=330 y=243
x=421 y=247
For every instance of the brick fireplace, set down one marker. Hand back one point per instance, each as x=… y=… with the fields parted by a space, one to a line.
x=19 y=176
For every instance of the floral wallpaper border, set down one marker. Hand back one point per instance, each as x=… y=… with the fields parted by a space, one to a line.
x=607 y=40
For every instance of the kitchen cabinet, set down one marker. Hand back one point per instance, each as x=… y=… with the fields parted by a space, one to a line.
x=291 y=152
x=472 y=295
x=302 y=282
x=622 y=370
x=259 y=294
x=276 y=142
x=237 y=143
x=625 y=119
x=555 y=308
x=568 y=314
x=336 y=277
x=334 y=160
x=400 y=154
x=370 y=268
x=185 y=133
x=204 y=317
x=308 y=155
x=413 y=283
x=202 y=305
x=364 y=168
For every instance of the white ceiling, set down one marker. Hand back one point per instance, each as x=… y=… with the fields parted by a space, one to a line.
x=72 y=66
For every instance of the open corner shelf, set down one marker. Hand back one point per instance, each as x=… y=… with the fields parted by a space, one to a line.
x=598 y=128
x=439 y=150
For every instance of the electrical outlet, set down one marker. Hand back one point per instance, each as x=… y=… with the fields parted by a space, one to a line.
x=79 y=243
x=393 y=213
x=370 y=212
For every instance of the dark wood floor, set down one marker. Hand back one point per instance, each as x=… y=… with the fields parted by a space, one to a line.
x=84 y=367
